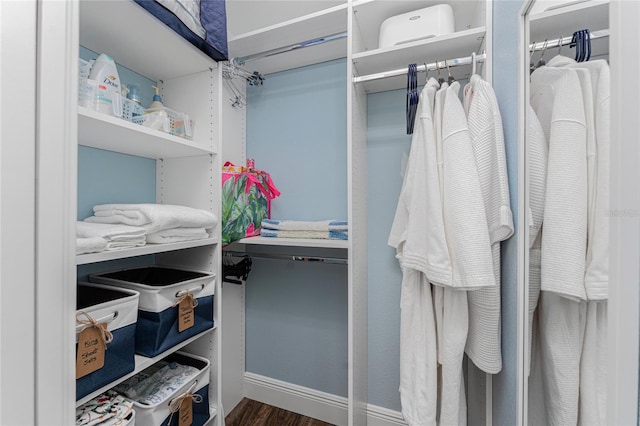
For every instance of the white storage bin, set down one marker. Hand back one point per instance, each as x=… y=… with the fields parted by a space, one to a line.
x=159 y=413
x=417 y=25
x=119 y=309
x=160 y=288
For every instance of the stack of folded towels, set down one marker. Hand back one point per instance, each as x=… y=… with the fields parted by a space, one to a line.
x=131 y=225
x=323 y=229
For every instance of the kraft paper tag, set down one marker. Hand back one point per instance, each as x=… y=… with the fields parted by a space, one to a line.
x=90 y=353
x=186 y=317
x=186 y=412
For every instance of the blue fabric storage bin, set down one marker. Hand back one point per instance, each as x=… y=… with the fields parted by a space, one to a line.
x=118 y=307
x=160 y=288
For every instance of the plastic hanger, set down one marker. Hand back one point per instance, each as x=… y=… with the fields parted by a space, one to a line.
x=576 y=44
x=541 y=61
x=587 y=42
x=450 y=79
x=440 y=79
x=412 y=97
x=473 y=63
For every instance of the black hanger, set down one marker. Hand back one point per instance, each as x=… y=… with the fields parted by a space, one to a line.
x=412 y=96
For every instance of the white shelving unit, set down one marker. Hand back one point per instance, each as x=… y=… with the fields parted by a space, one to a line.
x=185 y=175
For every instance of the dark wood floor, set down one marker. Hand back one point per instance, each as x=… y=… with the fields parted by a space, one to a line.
x=252 y=413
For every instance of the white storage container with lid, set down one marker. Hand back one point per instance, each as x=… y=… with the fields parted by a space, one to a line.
x=417 y=25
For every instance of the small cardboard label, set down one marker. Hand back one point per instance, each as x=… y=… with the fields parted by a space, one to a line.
x=186 y=317
x=90 y=353
x=185 y=415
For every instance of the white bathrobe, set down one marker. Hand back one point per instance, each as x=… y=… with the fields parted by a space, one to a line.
x=594 y=78
x=418 y=231
x=556 y=97
x=469 y=247
x=538 y=151
x=485 y=127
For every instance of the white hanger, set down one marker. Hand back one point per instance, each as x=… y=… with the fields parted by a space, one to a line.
x=473 y=63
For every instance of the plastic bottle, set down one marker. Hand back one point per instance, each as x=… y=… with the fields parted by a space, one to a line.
x=107 y=80
x=155 y=116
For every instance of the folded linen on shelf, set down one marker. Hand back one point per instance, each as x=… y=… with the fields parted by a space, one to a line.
x=153 y=386
x=176 y=235
x=117 y=236
x=153 y=217
x=90 y=245
x=299 y=225
x=327 y=235
x=109 y=232
x=107 y=409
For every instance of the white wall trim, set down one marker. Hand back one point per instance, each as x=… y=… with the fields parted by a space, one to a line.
x=312 y=403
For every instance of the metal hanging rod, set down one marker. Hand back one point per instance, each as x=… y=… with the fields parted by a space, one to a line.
x=442 y=65
x=334 y=260
x=563 y=41
x=320 y=40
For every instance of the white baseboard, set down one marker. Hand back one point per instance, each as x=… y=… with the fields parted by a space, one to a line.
x=312 y=403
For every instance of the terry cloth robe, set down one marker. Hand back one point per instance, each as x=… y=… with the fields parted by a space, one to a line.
x=485 y=127
x=469 y=247
x=417 y=234
x=538 y=150
x=596 y=88
x=556 y=97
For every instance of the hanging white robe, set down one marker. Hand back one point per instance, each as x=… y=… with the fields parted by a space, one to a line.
x=485 y=127
x=556 y=97
x=595 y=83
x=415 y=235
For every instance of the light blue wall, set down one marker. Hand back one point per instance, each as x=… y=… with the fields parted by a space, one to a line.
x=296 y=314
x=296 y=121
x=505 y=82
x=387 y=147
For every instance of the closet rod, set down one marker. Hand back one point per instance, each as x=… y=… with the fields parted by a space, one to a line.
x=334 y=260
x=563 y=41
x=442 y=65
x=320 y=40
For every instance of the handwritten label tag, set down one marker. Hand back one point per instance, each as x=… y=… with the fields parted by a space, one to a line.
x=90 y=353
x=186 y=412
x=186 y=317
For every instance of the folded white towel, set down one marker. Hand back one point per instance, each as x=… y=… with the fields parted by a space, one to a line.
x=327 y=235
x=153 y=217
x=176 y=235
x=90 y=245
x=123 y=244
x=299 y=225
x=109 y=232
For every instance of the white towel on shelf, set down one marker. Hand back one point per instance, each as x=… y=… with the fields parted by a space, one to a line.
x=153 y=217
x=300 y=225
x=110 y=232
x=90 y=245
x=324 y=235
x=176 y=235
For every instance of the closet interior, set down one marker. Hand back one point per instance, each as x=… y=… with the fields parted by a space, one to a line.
x=314 y=327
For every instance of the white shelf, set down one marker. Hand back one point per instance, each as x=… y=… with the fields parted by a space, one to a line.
x=138 y=40
x=84 y=259
x=141 y=363
x=564 y=21
x=450 y=46
x=295 y=242
x=370 y=14
x=102 y=131
x=309 y=27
